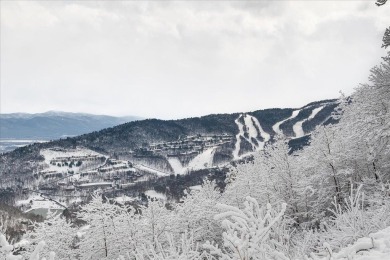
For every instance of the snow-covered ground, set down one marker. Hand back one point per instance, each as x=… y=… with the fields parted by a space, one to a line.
x=50 y=154
x=374 y=247
x=38 y=202
x=150 y=170
x=202 y=160
x=251 y=130
x=176 y=165
x=315 y=112
x=121 y=165
x=155 y=194
x=297 y=127
x=97 y=184
x=123 y=199
x=298 y=130
x=276 y=127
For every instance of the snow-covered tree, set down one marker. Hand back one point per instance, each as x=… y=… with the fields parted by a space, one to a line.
x=251 y=233
x=249 y=179
x=112 y=230
x=354 y=219
x=58 y=234
x=366 y=121
x=272 y=177
x=6 y=251
x=186 y=248
x=195 y=214
x=155 y=221
x=288 y=182
x=325 y=165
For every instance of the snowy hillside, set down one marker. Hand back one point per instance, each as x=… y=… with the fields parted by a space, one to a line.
x=124 y=158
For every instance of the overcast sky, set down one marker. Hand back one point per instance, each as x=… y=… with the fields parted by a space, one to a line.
x=184 y=58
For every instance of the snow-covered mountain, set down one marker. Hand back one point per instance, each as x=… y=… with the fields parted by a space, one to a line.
x=138 y=155
x=165 y=147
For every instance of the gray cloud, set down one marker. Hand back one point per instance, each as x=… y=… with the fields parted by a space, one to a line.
x=178 y=59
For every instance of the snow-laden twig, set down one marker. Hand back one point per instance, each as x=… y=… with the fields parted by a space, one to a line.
x=249 y=232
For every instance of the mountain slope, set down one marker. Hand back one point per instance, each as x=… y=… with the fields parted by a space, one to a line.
x=153 y=140
x=54 y=125
x=127 y=157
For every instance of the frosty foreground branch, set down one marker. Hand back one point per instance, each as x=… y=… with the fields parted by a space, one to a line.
x=250 y=232
x=6 y=251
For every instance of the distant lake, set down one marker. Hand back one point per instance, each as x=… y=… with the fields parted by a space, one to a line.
x=7 y=145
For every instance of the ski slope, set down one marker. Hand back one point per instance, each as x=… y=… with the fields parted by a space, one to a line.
x=297 y=127
x=202 y=160
x=238 y=139
x=315 y=112
x=150 y=170
x=251 y=129
x=254 y=130
x=176 y=165
x=263 y=134
x=276 y=127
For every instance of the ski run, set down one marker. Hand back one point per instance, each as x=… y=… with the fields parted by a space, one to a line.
x=256 y=136
x=201 y=161
x=297 y=128
x=276 y=127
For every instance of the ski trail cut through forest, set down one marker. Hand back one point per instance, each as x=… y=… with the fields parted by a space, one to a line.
x=254 y=131
x=276 y=127
x=315 y=112
x=262 y=133
x=238 y=139
x=176 y=165
x=297 y=128
x=202 y=160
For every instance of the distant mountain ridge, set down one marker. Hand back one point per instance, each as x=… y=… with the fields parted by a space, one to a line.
x=55 y=124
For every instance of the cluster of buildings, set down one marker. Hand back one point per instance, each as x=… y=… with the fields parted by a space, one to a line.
x=188 y=145
x=86 y=158
x=109 y=174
